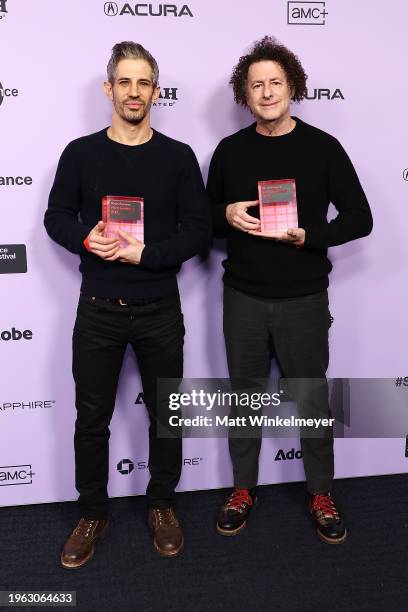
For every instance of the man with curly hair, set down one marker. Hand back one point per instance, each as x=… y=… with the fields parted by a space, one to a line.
x=275 y=283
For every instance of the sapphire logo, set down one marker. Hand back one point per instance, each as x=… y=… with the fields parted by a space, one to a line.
x=192 y=461
x=125 y=466
x=147 y=10
x=6 y=407
x=3 y=9
x=111 y=9
x=7 y=92
x=16 y=475
x=307 y=13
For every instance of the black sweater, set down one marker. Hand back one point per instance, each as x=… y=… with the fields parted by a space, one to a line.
x=323 y=174
x=166 y=174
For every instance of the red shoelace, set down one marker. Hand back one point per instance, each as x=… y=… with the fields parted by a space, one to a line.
x=325 y=504
x=237 y=498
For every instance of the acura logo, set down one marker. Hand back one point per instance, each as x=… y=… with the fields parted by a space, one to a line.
x=111 y=9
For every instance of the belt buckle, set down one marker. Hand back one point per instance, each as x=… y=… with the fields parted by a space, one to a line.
x=122 y=303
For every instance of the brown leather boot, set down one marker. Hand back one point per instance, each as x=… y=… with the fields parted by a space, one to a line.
x=80 y=545
x=168 y=536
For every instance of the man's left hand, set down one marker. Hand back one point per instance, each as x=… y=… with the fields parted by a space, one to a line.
x=130 y=253
x=293 y=235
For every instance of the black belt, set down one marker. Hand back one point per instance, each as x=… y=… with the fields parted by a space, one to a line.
x=124 y=301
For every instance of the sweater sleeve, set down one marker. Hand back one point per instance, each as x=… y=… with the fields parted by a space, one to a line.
x=215 y=191
x=61 y=217
x=193 y=236
x=354 y=219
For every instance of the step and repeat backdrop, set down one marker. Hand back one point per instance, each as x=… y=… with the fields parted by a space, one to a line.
x=52 y=67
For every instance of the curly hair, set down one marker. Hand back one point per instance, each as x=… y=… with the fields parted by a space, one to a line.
x=269 y=49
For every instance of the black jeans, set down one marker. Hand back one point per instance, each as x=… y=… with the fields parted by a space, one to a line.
x=295 y=331
x=102 y=331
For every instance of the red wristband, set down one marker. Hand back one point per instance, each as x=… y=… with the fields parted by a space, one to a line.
x=86 y=244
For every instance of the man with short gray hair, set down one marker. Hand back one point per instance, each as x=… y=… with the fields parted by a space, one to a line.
x=129 y=290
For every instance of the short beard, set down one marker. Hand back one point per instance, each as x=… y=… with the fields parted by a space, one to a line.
x=130 y=118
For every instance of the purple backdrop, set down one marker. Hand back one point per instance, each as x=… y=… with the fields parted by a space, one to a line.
x=53 y=64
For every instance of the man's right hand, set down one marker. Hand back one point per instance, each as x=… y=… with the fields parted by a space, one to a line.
x=99 y=245
x=238 y=217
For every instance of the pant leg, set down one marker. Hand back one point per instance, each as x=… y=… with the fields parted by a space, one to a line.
x=99 y=342
x=248 y=354
x=157 y=339
x=300 y=332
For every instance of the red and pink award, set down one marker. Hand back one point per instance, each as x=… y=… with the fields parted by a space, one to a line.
x=277 y=205
x=125 y=214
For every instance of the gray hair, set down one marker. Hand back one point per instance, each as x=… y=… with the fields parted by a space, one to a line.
x=131 y=50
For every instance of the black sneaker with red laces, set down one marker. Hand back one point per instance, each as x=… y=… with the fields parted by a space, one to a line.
x=234 y=512
x=329 y=524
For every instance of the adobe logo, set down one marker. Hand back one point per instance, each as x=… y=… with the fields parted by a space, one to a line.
x=16 y=334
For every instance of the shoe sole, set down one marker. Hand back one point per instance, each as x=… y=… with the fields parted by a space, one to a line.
x=230 y=532
x=331 y=540
x=171 y=553
x=68 y=566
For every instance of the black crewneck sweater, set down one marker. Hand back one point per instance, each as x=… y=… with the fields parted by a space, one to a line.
x=323 y=174
x=166 y=174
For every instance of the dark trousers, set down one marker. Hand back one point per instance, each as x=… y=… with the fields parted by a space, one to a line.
x=295 y=331
x=102 y=332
